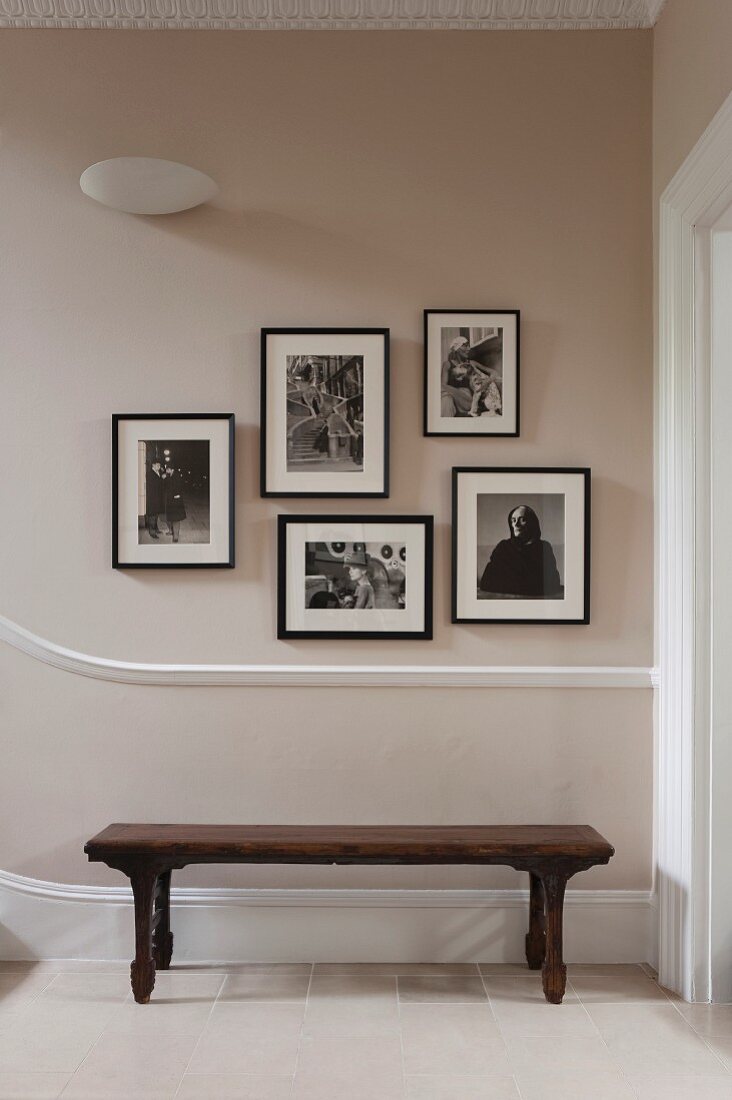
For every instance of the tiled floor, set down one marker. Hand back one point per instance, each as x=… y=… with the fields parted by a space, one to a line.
x=339 y=1032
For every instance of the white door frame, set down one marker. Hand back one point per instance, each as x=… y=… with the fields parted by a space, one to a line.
x=698 y=194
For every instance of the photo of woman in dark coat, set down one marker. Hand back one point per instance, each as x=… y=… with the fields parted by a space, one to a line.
x=523 y=564
x=175 y=509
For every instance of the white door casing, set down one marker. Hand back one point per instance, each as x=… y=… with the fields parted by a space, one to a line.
x=696 y=197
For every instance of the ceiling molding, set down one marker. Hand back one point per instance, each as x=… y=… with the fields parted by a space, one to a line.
x=332 y=14
x=654 y=8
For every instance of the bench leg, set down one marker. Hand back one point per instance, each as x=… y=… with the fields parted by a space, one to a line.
x=554 y=972
x=162 y=936
x=536 y=936
x=142 y=970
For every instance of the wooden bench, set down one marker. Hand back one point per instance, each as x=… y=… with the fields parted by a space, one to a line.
x=148 y=854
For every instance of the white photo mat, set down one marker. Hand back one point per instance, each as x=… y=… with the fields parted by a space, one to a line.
x=506 y=423
x=373 y=347
x=129 y=434
x=466 y=568
x=410 y=618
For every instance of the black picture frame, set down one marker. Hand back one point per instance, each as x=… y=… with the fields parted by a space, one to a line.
x=584 y=474
x=284 y=522
x=515 y=426
x=229 y=562
x=265 y=430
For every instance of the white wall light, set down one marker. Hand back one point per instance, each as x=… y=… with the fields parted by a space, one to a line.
x=147 y=185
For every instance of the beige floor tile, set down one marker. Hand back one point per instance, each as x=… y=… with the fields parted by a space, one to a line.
x=139 y=1054
x=707 y=1019
x=75 y=1017
x=176 y=985
x=258 y=1019
x=574 y=1086
x=631 y=969
x=608 y=988
x=162 y=1018
x=234 y=1086
x=351 y=1006
x=10 y=1019
x=457 y=1087
x=354 y=1088
x=342 y=986
x=85 y=966
x=453 y=989
x=32 y=1086
x=13 y=1007
x=23 y=1051
x=360 y=1069
x=253 y=1038
x=380 y=1057
x=521 y=1008
x=266 y=1055
x=267 y=983
x=51 y=1036
x=682 y=1088
x=653 y=1039
x=670 y=1059
x=70 y=986
x=721 y=1045
x=508 y=970
x=396 y=969
x=458 y=1039
x=31 y=978
x=533 y=1056
x=521 y=992
x=19 y=989
x=122 y=1084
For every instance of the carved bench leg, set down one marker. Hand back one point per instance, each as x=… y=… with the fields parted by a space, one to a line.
x=536 y=936
x=162 y=936
x=142 y=970
x=554 y=972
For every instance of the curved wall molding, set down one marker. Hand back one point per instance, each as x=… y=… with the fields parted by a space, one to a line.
x=50 y=920
x=370 y=898
x=333 y=14
x=495 y=676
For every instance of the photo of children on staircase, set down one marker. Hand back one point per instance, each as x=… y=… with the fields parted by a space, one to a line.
x=360 y=576
x=325 y=416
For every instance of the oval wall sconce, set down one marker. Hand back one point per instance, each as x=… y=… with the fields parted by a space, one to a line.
x=147 y=185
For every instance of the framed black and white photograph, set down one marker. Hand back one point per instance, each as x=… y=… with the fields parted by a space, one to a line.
x=172 y=490
x=471 y=372
x=520 y=545
x=354 y=577
x=325 y=413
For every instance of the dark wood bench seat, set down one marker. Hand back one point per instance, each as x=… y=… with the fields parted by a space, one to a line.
x=148 y=854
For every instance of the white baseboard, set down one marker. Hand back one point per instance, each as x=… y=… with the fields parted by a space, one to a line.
x=44 y=920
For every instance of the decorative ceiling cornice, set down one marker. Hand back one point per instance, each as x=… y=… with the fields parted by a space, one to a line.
x=332 y=14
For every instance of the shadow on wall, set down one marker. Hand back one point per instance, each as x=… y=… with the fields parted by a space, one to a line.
x=12 y=947
x=310 y=254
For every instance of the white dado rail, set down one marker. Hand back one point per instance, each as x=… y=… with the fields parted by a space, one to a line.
x=496 y=676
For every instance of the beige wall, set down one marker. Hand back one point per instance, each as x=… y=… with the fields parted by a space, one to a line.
x=692 y=76
x=363 y=177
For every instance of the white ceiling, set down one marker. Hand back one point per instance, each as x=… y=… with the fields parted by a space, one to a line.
x=333 y=14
